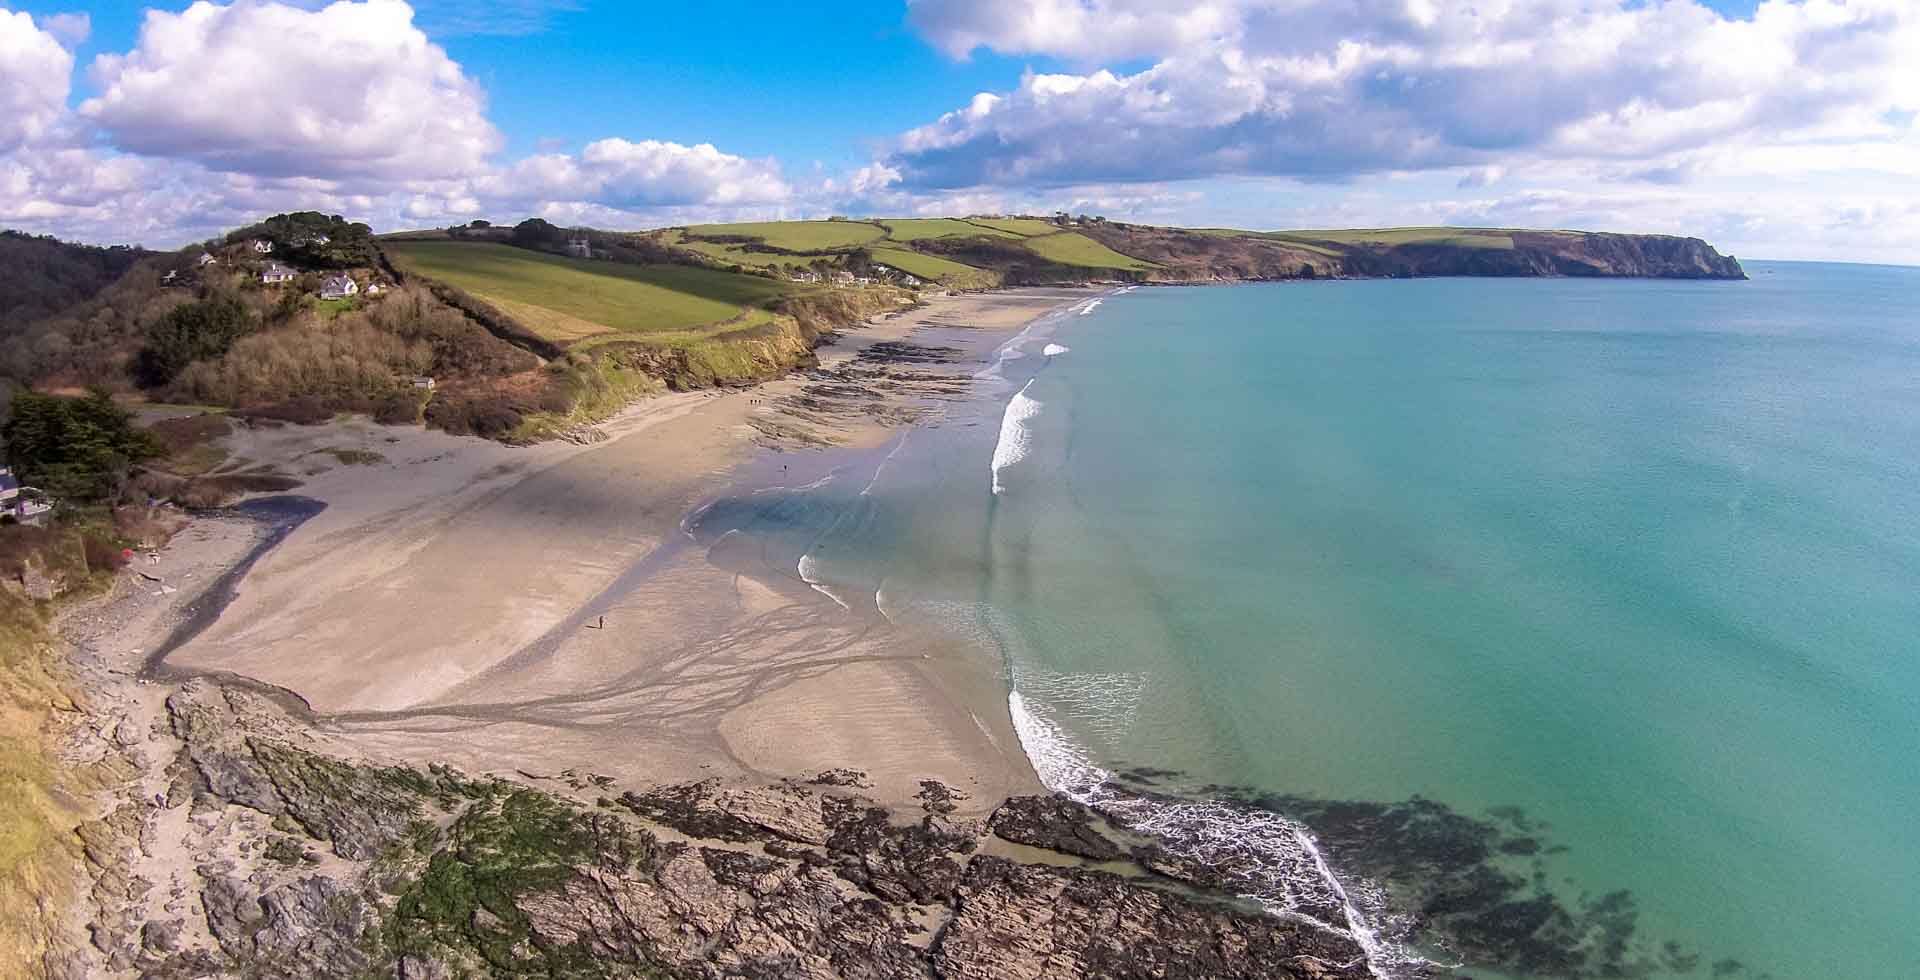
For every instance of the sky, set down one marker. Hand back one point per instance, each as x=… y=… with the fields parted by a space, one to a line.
x=1785 y=129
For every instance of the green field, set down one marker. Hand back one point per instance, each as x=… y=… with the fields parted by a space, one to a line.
x=916 y=229
x=1073 y=248
x=799 y=236
x=565 y=300
x=730 y=254
x=1460 y=237
x=1026 y=227
x=934 y=267
x=1284 y=238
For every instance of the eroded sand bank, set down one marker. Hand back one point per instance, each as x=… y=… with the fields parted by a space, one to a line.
x=444 y=607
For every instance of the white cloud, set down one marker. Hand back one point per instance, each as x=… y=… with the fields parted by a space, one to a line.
x=35 y=72
x=351 y=90
x=1330 y=89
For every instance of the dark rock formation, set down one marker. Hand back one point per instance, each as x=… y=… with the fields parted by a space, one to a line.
x=434 y=875
x=1055 y=823
x=1017 y=920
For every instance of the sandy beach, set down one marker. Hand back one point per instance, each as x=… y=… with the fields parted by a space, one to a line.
x=447 y=605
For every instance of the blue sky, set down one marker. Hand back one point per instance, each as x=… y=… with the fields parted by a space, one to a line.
x=1777 y=129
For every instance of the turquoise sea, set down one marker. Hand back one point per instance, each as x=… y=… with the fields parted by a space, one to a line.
x=1529 y=628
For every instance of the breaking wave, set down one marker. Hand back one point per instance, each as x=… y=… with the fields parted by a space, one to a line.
x=807 y=569
x=1276 y=861
x=1016 y=434
x=1055 y=350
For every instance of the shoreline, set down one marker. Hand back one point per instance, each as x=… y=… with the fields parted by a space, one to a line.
x=352 y=610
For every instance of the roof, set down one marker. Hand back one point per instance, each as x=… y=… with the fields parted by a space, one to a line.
x=275 y=269
x=339 y=282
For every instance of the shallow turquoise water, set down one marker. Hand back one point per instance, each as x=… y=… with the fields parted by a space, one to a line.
x=1626 y=571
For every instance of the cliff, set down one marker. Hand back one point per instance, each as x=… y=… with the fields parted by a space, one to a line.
x=1182 y=255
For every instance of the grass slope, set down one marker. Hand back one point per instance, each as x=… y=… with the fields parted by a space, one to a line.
x=569 y=299
x=934 y=267
x=918 y=229
x=1072 y=248
x=798 y=236
x=1024 y=227
x=1459 y=237
x=730 y=254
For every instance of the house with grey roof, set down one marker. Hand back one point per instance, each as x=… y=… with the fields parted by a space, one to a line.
x=338 y=287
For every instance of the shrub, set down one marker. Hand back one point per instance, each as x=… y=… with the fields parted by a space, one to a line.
x=188 y=333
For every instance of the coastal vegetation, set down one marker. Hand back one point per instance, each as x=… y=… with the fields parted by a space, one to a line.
x=915 y=229
x=797 y=236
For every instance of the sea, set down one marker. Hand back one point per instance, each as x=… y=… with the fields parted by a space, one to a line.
x=1515 y=627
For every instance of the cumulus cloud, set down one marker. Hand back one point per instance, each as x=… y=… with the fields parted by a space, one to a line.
x=347 y=90
x=1331 y=89
x=646 y=174
x=35 y=68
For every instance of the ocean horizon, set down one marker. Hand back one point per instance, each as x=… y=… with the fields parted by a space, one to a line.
x=1533 y=628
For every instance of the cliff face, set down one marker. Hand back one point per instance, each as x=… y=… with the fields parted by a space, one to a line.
x=1552 y=254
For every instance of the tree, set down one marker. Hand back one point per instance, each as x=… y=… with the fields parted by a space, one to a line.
x=479 y=223
x=188 y=333
x=75 y=448
x=538 y=233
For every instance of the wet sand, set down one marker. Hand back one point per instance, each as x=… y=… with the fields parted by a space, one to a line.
x=446 y=605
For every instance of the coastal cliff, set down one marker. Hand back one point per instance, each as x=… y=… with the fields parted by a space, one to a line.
x=1182 y=255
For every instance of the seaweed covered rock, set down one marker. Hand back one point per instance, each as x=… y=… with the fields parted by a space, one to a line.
x=1055 y=823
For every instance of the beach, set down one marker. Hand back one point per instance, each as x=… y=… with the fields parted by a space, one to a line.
x=543 y=610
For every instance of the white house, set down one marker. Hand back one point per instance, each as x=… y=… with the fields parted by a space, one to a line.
x=580 y=248
x=338 y=287
x=263 y=246
x=172 y=276
x=375 y=288
x=15 y=501
x=206 y=259
x=275 y=272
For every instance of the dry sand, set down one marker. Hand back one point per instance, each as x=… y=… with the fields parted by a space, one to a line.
x=441 y=607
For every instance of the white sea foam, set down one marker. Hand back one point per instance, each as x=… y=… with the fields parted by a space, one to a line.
x=1055 y=350
x=1089 y=306
x=1277 y=858
x=809 y=566
x=1016 y=434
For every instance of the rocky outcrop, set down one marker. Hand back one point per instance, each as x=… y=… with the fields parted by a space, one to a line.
x=1030 y=921
x=307 y=865
x=1055 y=823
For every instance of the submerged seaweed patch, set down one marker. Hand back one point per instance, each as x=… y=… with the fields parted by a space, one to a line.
x=1476 y=888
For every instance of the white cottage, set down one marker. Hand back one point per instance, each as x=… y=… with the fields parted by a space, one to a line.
x=275 y=272
x=338 y=287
